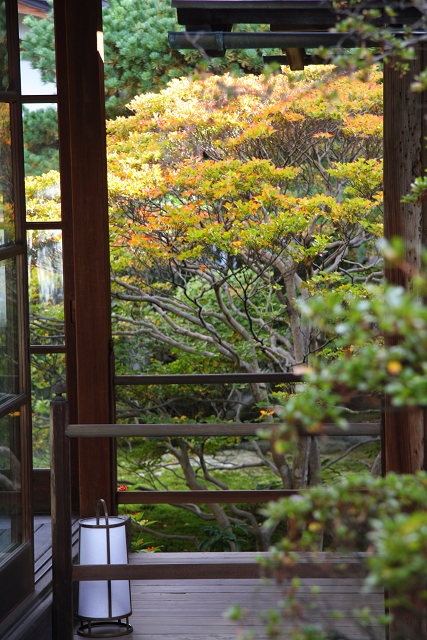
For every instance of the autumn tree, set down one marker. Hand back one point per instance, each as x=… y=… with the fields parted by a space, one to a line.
x=231 y=201
x=137 y=59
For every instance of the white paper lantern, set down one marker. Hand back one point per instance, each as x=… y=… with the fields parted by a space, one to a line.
x=103 y=603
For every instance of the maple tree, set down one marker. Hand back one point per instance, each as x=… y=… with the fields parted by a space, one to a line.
x=137 y=53
x=231 y=200
x=137 y=59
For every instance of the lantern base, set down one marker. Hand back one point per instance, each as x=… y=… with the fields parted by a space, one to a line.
x=88 y=629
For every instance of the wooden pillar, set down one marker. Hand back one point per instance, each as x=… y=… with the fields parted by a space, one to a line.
x=67 y=240
x=81 y=113
x=404 y=159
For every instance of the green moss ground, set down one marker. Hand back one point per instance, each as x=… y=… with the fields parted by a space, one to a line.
x=172 y=520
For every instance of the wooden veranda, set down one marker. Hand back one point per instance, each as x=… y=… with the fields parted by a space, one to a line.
x=190 y=609
x=164 y=584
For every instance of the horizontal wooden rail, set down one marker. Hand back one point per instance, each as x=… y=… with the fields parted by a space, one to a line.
x=8 y=498
x=166 y=571
x=220 y=567
x=207 y=378
x=9 y=96
x=48 y=348
x=31 y=224
x=203 y=429
x=39 y=99
x=10 y=251
x=247 y=496
x=12 y=403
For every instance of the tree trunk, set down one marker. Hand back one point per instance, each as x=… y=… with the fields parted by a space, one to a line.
x=300 y=465
x=314 y=463
x=282 y=467
x=376 y=467
x=294 y=316
x=193 y=484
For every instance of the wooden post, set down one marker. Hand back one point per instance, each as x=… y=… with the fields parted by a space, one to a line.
x=60 y=487
x=67 y=240
x=296 y=59
x=403 y=161
x=111 y=371
x=81 y=104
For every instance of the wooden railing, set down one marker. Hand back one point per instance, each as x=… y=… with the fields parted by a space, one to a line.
x=64 y=572
x=182 y=430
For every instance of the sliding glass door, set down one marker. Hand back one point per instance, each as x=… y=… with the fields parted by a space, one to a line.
x=16 y=547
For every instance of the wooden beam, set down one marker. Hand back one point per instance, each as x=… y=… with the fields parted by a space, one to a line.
x=296 y=59
x=28 y=10
x=82 y=120
x=203 y=497
x=222 y=429
x=207 y=378
x=403 y=161
x=9 y=96
x=222 y=566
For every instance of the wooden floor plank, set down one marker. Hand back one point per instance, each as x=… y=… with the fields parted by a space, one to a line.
x=223 y=583
x=193 y=609
x=42 y=540
x=210 y=589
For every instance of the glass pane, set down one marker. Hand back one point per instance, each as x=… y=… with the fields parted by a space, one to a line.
x=4 y=75
x=46 y=291
x=43 y=197
x=10 y=485
x=36 y=33
x=46 y=371
x=7 y=231
x=9 y=348
x=41 y=153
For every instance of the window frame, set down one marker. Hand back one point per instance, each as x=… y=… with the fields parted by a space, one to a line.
x=21 y=561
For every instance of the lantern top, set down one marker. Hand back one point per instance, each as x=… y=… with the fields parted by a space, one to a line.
x=103 y=522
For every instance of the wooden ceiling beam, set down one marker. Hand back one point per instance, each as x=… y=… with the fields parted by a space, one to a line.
x=297 y=15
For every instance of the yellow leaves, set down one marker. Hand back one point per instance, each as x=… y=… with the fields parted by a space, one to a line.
x=43 y=197
x=323 y=135
x=200 y=165
x=364 y=126
x=264 y=414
